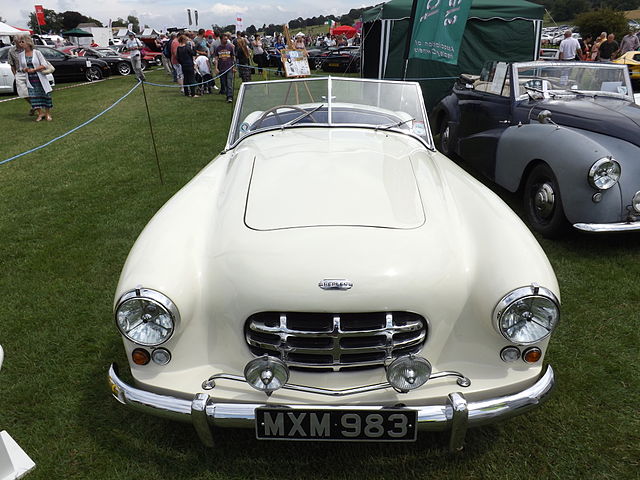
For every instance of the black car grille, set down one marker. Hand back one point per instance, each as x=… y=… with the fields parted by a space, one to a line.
x=335 y=341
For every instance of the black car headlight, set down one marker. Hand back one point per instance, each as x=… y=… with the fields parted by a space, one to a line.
x=527 y=315
x=146 y=317
x=604 y=173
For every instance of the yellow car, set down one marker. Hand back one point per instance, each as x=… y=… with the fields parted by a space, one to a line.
x=632 y=59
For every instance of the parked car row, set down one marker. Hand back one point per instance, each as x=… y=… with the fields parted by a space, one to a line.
x=67 y=67
x=119 y=65
x=79 y=63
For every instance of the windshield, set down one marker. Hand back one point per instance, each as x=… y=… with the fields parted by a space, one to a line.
x=330 y=102
x=573 y=79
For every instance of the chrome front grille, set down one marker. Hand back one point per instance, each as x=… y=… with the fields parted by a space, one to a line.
x=335 y=341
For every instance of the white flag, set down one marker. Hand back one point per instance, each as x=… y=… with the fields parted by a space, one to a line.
x=239 y=23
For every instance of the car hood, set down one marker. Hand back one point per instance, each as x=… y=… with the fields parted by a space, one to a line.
x=610 y=116
x=345 y=184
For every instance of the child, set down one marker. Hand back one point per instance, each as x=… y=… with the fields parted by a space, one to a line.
x=204 y=70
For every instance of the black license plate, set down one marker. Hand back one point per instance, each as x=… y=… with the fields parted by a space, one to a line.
x=388 y=425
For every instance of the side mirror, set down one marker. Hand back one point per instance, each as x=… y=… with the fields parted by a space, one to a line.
x=544 y=116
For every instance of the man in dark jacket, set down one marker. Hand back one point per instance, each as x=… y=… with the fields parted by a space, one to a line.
x=608 y=49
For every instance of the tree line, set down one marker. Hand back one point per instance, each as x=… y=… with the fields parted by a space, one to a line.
x=57 y=22
x=562 y=10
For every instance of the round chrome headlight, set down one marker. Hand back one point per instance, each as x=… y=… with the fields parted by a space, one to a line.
x=604 y=173
x=266 y=374
x=146 y=317
x=527 y=315
x=408 y=372
x=635 y=203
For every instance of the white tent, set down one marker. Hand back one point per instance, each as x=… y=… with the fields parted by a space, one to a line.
x=9 y=30
x=150 y=32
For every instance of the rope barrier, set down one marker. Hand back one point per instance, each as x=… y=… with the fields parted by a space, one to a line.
x=73 y=129
x=173 y=86
x=191 y=84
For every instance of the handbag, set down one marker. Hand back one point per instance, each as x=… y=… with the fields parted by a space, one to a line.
x=48 y=68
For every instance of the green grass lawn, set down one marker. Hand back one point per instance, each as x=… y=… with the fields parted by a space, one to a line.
x=69 y=215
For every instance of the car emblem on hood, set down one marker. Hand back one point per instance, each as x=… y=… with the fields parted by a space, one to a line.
x=335 y=284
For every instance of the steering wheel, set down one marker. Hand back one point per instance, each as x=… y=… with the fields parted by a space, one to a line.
x=274 y=111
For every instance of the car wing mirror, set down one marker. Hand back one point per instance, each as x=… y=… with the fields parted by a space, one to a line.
x=544 y=116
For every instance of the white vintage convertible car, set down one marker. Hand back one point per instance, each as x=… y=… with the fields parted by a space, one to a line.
x=331 y=276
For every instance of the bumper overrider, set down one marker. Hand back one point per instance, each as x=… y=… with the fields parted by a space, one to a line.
x=455 y=415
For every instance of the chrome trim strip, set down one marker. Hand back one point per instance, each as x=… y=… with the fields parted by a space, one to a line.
x=210 y=384
x=164 y=406
x=608 y=227
x=236 y=415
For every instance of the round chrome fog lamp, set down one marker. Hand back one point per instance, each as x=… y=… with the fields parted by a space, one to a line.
x=635 y=203
x=510 y=354
x=161 y=356
x=604 y=173
x=266 y=374
x=408 y=373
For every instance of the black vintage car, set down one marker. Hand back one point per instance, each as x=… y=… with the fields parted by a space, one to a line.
x=69 y=68
x=119 y=65
x=341 y=59
x=565 y=135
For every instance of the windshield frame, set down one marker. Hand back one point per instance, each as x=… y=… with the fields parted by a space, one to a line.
x=231 y=143
x=564 y=64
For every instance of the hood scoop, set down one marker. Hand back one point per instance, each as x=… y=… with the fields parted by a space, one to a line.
x=353 y=187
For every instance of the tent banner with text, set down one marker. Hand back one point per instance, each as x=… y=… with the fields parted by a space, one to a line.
x=438 y=27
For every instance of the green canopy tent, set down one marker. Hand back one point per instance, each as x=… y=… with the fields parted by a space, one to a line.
x=76 y=32
x=507 y=30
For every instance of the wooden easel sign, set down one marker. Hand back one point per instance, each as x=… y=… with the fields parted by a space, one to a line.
x=296 y=63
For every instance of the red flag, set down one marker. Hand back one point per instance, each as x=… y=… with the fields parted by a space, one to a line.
x=40 y=15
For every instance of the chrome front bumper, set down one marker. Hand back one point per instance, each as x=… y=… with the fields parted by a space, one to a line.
x=608 y=227
x=456 y=415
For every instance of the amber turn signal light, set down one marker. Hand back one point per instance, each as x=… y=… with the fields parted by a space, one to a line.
x=140 y=356
x=532 y=355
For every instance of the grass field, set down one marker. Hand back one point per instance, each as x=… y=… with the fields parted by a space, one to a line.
x=69 y=215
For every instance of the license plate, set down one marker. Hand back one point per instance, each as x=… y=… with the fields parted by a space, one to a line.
x=334 y=64
x=388 y=425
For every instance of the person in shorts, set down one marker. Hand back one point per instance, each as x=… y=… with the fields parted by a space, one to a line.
x=203 y=70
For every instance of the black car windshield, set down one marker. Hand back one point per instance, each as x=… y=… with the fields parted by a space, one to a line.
x=560 y=78
x=330 y=102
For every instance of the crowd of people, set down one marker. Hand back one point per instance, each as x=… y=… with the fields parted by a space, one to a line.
x=194 y=59
x=605 y=48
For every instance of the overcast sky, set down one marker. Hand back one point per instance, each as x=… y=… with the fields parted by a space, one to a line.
x=164 y=13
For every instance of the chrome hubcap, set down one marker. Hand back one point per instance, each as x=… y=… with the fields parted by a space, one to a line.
x=544 y=200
